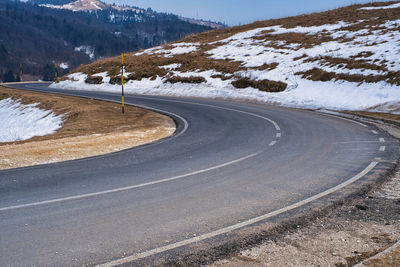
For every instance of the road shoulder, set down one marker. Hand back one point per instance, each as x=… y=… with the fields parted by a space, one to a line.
x=90 y=128
x=364 y=229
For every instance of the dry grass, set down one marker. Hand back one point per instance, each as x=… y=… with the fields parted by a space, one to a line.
x=349 y=63
x=148 y=66
x=263 y=85
x=90 y=128
x=86 y=116
x=191 y=79
x=317 y=74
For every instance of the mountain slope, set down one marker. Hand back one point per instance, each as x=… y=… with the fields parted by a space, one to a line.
x=39 y=37
x=341 y=59
x=117 y=13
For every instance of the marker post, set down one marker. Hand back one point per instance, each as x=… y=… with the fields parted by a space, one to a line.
x=122 y=82
x=20 y=72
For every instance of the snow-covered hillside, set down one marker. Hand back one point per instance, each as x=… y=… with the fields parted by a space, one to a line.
x=342 y=59
x=21 y=122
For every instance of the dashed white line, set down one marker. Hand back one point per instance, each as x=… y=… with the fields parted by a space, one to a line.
x=242 y=224
x=272 y=143
x=278 y=135
x=374 y=132
x=382 y=148
x=382 y=140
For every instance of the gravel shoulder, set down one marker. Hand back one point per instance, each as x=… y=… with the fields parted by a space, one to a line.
x=351 y=234
x=90 y=128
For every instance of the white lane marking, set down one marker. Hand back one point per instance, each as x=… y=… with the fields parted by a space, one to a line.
x=381 y=140
x=382 y=148
x=231 y=109
x=374 y=132
x=278 y=135
x=240 y=225
x=355 y=142
x=339 y=117
x=272 y=143
x=57 y=200
x=378 y=159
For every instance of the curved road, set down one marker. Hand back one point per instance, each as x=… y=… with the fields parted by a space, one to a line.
x=229 y=165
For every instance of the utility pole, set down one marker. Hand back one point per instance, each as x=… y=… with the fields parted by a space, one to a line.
x=122 y=82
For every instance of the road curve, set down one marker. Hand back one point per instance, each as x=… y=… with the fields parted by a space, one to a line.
x=229 y=165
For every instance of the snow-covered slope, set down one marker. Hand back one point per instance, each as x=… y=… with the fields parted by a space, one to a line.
x=21 y=122
x=80 y=5
x=342 y=59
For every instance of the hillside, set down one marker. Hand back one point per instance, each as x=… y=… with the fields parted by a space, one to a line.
x=117 y=13
x=346 y=58
x=40 y=37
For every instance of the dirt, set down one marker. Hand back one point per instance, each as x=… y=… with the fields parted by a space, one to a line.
x=348 y=235
x=90 y=128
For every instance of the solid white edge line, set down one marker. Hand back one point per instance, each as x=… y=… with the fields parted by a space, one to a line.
x=240 y=225
x=231 y=109
x=382 y=148
x=57 y=200
x=339 y=117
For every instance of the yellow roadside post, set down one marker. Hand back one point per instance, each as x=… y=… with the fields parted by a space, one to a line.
x=122 y=82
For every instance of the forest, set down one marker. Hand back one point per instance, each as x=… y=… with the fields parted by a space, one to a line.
x=43 y=41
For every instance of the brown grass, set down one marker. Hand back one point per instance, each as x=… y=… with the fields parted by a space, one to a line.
x=191 y=79
x=349 y=63
x=86 y=116
x=148 y=66
x=317 y=74
x=94 y=79
x=263 y=85
x=266 y=66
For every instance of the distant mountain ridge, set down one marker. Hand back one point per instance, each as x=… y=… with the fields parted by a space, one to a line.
x=40 y=38
x=96 y=5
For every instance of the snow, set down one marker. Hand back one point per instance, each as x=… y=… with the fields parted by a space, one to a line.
x=21 y=122
x=86 y=49
x=381 y=43
x=179 y=49
x=381 y=7
x=64 y=65
x=307 y=94
x=171 y=66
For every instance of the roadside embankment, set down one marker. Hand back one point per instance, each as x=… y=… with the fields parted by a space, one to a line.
x=90 y=128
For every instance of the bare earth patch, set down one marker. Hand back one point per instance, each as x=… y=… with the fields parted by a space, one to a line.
x=90 y=128
x=346 y=236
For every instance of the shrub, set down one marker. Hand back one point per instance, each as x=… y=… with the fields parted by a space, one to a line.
x=94 y=80
x=191 y=79
x=262 y=85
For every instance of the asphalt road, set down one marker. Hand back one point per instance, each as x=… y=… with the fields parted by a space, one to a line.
x=227 y=166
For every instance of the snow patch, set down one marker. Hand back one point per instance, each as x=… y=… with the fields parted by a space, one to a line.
x=64 y=65
x=381 y=7
x=88 y=50
x=21 y=122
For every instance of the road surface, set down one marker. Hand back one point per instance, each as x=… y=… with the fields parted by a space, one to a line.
x=228 y=166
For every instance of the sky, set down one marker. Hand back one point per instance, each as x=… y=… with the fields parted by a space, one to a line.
x=237 y=12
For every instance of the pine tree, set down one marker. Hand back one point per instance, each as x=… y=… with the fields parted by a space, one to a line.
x=9 y=77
